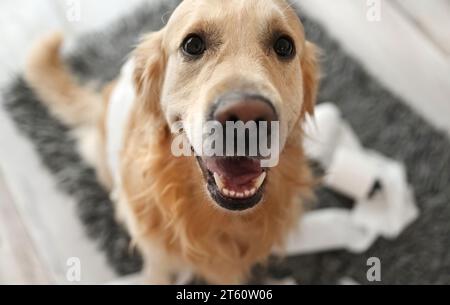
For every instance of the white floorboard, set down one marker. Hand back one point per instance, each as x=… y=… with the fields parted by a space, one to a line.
x=394 y=51
x=20 y=263
x=433 y=19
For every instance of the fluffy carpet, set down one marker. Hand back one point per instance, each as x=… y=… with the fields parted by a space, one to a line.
x=383 y=123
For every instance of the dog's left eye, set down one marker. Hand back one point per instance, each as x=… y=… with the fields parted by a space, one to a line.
x=194 y=45
x=284 y=47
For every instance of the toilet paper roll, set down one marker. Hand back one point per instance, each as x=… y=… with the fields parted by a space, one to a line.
x=352 y=173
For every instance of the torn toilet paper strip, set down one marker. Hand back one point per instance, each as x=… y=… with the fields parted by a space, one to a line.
x=352 y=171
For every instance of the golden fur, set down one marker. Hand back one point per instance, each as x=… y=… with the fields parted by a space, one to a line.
x=163 y=199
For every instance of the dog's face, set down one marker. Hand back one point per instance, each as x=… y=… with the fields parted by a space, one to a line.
x=228 y=61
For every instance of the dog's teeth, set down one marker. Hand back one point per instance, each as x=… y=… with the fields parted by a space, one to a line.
x=226 y=192
x=257 y=183
x=219 y=182
x=260 y=180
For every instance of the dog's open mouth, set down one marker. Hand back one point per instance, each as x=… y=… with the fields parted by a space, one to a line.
x=235 y=183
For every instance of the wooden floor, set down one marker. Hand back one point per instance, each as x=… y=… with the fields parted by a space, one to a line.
x=408 y=50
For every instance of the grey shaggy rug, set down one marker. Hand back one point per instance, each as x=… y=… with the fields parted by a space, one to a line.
x=383 y=123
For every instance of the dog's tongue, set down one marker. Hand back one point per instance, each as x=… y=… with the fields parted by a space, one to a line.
x=236 y=171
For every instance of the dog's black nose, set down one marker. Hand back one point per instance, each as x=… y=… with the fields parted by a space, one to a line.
x=251 y=140
x=244 y=107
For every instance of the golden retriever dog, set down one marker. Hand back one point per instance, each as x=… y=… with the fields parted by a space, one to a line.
x=220 y=60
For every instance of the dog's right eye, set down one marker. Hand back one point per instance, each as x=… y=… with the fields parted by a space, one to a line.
x=194 y=46
x=284 y=47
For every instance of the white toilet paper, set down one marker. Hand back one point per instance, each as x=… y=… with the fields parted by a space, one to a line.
x=352 y=171
x=322 y=134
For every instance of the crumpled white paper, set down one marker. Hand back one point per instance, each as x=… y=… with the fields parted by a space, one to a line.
x=352 y=171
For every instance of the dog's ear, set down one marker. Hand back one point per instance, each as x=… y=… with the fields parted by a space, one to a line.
x=150 y=63
x=311 y=75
